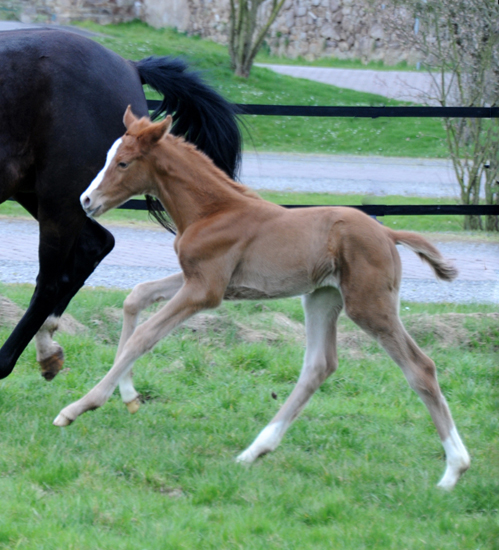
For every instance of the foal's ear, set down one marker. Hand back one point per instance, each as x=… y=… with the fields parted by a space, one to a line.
x=157 y=131
x=168 y=123
x=163 y=128
x=129 y=118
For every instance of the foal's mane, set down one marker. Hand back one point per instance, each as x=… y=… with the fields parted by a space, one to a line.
x=209 y=166
x=154 y=207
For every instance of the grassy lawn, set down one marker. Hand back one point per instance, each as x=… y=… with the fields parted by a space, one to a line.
x=382 y=136
x=357 y=470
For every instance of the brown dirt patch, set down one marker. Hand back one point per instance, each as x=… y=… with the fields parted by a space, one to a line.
x=11 y=313
x=447 y=329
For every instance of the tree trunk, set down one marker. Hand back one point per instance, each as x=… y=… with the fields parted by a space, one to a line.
x=243 y=45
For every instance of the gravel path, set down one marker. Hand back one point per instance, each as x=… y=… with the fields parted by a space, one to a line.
x=413 y=86
x=350 y=174
x=144 y=254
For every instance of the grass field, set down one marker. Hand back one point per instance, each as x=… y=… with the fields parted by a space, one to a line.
x=357 y=470
x=382 y=136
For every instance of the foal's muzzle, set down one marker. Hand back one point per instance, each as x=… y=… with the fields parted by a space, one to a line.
x=86 y=203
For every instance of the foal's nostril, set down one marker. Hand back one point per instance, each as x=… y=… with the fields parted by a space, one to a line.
x=86 y=202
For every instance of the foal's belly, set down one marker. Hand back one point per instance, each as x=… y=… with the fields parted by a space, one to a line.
x=249 y=293
x=268 y=285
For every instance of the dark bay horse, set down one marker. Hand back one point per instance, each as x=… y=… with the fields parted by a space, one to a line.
x=233 y=245
x=62 y=98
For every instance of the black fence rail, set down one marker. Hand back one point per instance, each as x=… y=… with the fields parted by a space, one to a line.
x=358 y=112
x=381 y=209
x=370 y=112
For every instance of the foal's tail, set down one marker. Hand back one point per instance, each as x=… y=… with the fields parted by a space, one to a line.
x=200 y=114
x=427 y=252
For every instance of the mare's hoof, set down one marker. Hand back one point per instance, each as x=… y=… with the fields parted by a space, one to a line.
x=52 y=365
x=133 y=406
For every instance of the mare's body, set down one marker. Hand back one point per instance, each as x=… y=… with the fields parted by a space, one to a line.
x=231 y=244
x=62 y=99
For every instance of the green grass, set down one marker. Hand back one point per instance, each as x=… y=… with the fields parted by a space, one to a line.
x=357 y=470
x=382 y=136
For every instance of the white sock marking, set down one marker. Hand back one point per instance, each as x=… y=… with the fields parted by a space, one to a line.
x=45 y=346
x=458 y=460
x=266 y=441
x=127 y=391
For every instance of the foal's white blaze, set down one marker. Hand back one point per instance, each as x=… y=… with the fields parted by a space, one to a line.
x=100 y=176
x=458 y=460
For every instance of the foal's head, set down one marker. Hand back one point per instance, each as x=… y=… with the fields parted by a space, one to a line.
x=127 y=171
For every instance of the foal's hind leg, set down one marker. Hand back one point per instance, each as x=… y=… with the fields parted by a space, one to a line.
x=322 y=308
x=141 y=297
x=377 y=315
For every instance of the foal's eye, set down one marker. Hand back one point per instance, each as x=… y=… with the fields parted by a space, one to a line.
x=123 y=165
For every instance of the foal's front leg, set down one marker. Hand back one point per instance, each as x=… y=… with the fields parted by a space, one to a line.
x=191 y=298
x=141 y=297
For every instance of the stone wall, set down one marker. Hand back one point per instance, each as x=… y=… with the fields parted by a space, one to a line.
x=65 y=11
x=304 y=28
x=169 y=13
x=310 y=29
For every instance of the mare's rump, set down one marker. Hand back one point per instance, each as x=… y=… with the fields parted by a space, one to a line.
x=62 y=98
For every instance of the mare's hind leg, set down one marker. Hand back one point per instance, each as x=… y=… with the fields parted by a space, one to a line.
x=92 y=245
x=141 y=297
x=377 y=313
x=322 y=308
x=49 y=353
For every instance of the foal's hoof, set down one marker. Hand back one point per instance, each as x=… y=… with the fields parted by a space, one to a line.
x=133 y=406
x=246 y=457
x=52 y=365
x=62 y=421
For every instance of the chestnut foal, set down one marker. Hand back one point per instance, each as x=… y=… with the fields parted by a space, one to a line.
x=233 y=245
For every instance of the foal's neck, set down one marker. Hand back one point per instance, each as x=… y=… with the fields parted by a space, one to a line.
x=190 y=186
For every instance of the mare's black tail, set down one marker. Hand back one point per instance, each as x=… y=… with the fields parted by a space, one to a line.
x=199 y=113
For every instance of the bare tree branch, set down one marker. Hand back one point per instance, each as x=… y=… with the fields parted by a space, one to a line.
x=459 y=45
